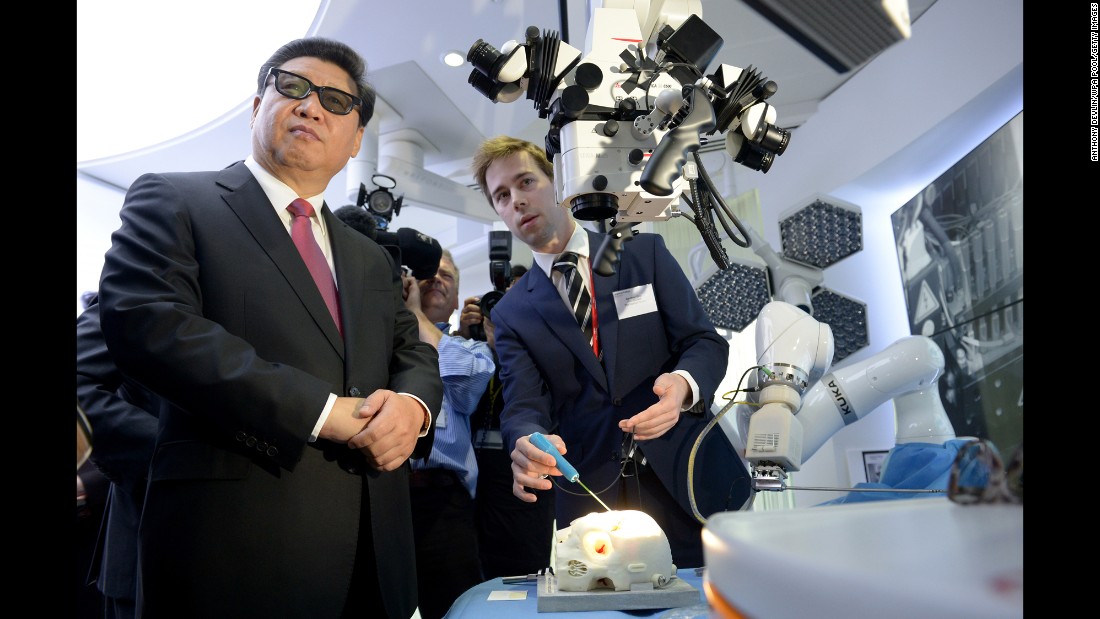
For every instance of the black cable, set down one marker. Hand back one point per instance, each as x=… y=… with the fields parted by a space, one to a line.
x=702 y=203
x=705 y=225
x=713 y=191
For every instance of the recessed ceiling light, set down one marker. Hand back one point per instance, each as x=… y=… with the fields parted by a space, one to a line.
x=453 y=58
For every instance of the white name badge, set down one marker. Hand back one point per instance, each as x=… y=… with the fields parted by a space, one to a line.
x=635 y=301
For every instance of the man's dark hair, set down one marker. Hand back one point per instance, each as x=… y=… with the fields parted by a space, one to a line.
x=518 y=271
x=329 y=50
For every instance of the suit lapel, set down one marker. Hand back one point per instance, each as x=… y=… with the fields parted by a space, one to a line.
x=546 y=301
x=249 y=202
x=348 y=270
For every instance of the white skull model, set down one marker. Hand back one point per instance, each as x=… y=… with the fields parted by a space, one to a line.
x=612 y=550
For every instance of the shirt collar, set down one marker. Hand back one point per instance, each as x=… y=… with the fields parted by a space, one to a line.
x=578 y=244
x=280 y=194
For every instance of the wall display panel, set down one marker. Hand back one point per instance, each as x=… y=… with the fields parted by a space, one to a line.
x=960 y=251
x=986 y=401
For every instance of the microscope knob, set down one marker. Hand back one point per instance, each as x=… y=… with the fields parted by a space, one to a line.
x=588 y=76
x=574 y=99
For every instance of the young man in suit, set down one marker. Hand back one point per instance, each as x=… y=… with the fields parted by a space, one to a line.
x=620 y=404
x=294 y=386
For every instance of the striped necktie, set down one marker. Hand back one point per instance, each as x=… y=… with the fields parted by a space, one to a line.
x=579 y=299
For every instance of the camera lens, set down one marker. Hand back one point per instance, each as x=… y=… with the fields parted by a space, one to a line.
x=773 y=139
x=485 y=84
x=381 y=202
x=488 y=302
x=754 y=158
x=483 y=56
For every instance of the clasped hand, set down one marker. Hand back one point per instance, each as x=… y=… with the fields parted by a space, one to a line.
x=383 y=426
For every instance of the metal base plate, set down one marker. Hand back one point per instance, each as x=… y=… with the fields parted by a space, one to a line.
x=677 y=594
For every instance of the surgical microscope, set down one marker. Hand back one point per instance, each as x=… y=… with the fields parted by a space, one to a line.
x=625 y=118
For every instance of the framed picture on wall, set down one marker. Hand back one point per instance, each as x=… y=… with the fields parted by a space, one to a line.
x=872 y=464
x=960 y=245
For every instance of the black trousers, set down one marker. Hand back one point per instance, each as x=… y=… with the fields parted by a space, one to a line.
x=89 y=519
x=447 y=561
x=514 y=537
x=639 y=488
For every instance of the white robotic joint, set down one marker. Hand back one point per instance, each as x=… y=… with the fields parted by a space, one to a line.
x=782 y=374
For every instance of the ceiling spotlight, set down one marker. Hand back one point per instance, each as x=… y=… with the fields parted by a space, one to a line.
x=380 y=202
x=453 y=58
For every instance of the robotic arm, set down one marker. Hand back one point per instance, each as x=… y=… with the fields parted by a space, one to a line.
x=626 y=116
x=794 y=350
x=906 y=371
x=790 y=281
x=790 y=427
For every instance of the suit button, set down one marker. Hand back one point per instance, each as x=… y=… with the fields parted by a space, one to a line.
x=240 y=436
x=261 y=446
x=272 y=451
x=617 y=402
x=354 y=392
x=354 y=470
x=251 y=441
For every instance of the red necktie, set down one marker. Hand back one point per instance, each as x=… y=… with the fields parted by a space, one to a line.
x=301 y=231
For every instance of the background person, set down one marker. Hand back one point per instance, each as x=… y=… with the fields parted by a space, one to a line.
x=123 y=417
x=443 y=486
x=514 y=536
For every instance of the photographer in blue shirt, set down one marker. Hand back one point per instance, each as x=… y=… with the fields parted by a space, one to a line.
x=444 y=485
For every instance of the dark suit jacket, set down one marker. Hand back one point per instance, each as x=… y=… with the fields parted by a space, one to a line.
x=123 y=417
x=206 y=302
x=553 y=383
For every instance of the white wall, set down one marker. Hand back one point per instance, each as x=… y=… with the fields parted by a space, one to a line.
x=97 y=207
x=891 y=129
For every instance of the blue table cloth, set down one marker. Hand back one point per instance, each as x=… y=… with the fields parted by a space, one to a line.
x=475 y=604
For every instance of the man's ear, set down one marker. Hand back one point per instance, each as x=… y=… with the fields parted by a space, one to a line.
x=358 y=142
